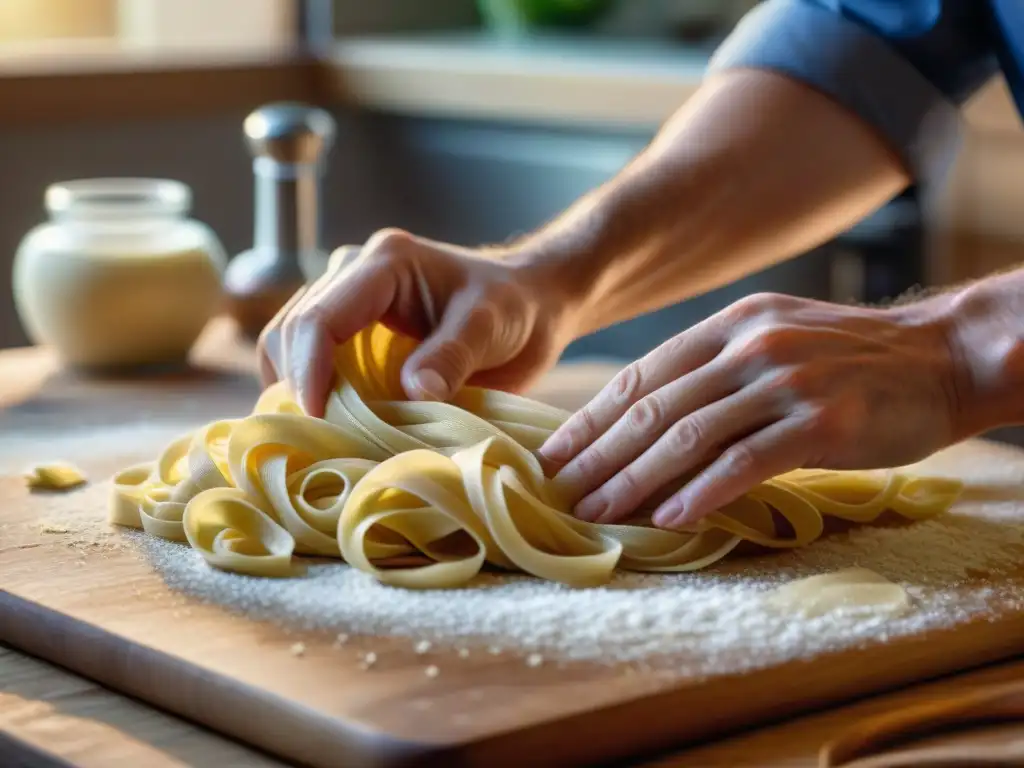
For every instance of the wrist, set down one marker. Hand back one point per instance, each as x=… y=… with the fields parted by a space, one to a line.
x=563 y=264
x=986 y=341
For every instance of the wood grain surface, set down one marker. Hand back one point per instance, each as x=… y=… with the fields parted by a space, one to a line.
x=52 y=717
x=109 y=616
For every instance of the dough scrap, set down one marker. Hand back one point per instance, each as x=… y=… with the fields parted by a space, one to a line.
x=851 y=588
x=55 y=476
x=424 y=494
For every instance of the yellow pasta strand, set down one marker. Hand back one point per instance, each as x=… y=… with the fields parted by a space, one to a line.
x=424 y=495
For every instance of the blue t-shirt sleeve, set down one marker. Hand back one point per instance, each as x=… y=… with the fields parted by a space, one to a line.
x=904 y=67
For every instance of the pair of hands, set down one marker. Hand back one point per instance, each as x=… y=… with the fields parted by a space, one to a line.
x=771 y=383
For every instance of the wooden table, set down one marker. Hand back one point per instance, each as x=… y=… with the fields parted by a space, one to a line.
x=51 y=717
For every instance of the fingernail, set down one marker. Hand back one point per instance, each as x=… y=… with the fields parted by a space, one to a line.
x=591 y=508
x=558 y=447
x=430 y=385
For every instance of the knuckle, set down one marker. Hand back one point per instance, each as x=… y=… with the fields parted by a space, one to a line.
x=591 y=462
x=585 y=425
x=686 y=438
x=342 y=257
x=312 y=315
x=500 y=290
x=797 y=380
x=579 y=432
x=756 y=305
x=739 y=459
x=316 y=313
x=628 y=487
x=453 y=355
x=388 y=243
x=484 y=317
x=627 y=384
x=645 y=415
x=670 y=355
x=772 y=344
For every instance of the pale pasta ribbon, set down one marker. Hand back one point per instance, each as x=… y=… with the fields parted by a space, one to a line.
x=425 y=495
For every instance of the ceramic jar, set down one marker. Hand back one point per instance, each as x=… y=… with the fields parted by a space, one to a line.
x=119 y=275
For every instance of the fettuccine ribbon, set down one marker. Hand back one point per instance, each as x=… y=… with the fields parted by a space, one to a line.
x=424 y=495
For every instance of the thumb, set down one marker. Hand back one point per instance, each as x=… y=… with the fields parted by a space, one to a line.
x=440 y=366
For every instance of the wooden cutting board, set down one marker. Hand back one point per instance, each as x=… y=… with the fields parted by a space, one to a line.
x=109 y=616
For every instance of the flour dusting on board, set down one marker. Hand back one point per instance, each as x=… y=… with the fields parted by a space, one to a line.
x=712 y=620
x=692 y=621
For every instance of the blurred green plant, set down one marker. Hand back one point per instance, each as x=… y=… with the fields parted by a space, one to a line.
x=513 y=16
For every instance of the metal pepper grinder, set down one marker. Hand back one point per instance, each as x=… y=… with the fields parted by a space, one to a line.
x=289 y=143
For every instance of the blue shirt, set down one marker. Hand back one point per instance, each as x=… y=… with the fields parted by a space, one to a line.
x=905 y=66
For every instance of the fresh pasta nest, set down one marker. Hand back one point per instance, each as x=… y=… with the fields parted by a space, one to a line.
x=423 y=495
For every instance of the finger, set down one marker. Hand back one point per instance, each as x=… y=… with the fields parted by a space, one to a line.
x=644 y=423
x=778 y=448
x=339 y=295
x=676 y=357
x=684 y=445
x=268 y=350
x=342 y=258
x=466 y=336
x=528 y=365
x=328 y=319
x=265 y=360
x=309 y=365
x=271 y=343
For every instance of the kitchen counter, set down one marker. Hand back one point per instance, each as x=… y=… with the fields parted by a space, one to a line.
x=550 y=79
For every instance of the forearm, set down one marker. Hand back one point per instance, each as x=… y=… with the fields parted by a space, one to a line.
x=753 y=170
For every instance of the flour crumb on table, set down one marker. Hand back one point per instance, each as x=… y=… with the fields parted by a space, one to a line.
x=432 y=671
x=422 y=647
x=369 y=659
x=534 y=660
x=298 y=649
x=80 y=519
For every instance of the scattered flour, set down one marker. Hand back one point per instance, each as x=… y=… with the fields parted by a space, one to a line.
x=695 y=623
x=78 y=519
x=81 y=442
x=691 y=623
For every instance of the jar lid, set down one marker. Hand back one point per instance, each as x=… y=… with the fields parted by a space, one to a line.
x=116 y=198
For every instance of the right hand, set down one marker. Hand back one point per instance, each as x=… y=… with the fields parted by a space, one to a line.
x=487 y=319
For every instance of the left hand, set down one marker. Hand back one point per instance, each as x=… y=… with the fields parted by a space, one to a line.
x=767 y=385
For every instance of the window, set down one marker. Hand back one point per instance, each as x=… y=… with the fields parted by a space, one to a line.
x=55 y=27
